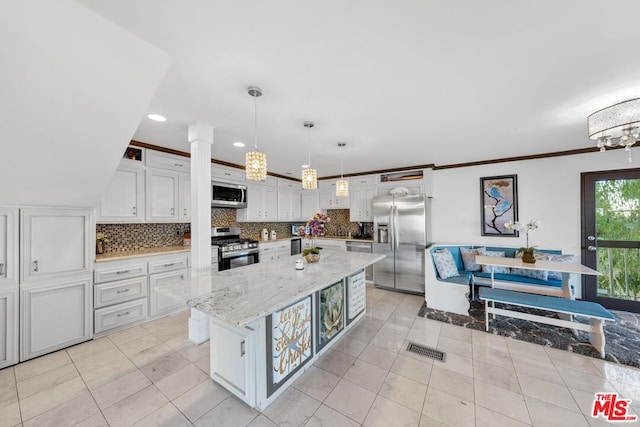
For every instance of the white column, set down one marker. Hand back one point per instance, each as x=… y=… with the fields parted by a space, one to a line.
x=201 y=139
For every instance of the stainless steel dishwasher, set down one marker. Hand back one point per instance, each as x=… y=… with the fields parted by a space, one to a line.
x=365 y=247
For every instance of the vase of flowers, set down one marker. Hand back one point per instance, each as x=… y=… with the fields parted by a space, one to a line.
x=314 y=228
x=101 y=240
x=528 y=255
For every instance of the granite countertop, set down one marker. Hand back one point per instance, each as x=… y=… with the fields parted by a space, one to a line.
x=112 y=256
x=345 y=238
x=242 y=295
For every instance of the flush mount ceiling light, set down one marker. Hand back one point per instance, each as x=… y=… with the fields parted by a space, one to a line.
x=157 y=117
x=342 y=185
x=309 y=175
x=616 y=126
x=255 y=161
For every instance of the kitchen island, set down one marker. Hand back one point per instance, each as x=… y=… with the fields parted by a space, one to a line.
x=270 y=321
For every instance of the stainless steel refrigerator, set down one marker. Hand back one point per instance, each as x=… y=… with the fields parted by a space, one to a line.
x=401 y=233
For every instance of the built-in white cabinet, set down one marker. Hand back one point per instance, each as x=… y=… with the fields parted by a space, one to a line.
x=184 y=194
x=123 y=202
x=233 y=358
x=8 y=324
x=310 y=204
x=55 y=243
x=262 y=205
x=361 y=204
x=8 y=246
x=289 y=205
x=273 y=251
x=363 y=180
x=162 y=195
x=158 y=159
x=329 y=200
x=54 y=314
x=227 y=174
x=414 y=187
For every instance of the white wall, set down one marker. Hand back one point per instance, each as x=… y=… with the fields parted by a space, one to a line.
x=548 y=189
x=74 y=88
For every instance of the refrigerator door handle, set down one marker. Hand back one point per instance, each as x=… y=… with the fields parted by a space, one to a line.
x=391 y=227
x=396 y=231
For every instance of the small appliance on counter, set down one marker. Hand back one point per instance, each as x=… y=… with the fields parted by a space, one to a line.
x=273 y=234
x=364 y=231
x=265 y=235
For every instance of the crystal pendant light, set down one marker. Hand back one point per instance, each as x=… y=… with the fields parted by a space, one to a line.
x=255 y=161
x=616 y=126
x=342 y=185
x=309 y=175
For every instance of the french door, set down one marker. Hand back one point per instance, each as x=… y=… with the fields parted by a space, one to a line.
x=611 y=238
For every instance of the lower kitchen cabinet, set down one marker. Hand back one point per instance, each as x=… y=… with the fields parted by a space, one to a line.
x=119 y=315
x=54 y=315
x=8 y=325
x=159 y=302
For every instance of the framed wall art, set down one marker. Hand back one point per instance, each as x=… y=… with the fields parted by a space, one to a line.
x=330 y=311
x=499 y=204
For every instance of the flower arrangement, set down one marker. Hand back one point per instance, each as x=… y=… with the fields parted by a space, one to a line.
x=314 y=228
x=527 y=251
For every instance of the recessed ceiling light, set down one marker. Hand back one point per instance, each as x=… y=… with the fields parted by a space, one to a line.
x=238 y=144
x=157 y=118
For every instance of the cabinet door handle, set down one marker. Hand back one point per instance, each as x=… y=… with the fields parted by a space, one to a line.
x=242 y=349
x=182 y=277
x=170 y=264
x=135 y=210
x=123 y=291
x=227 y=174
x=173 y=211
x=1 y=269
x=123 y=314
x=122 y=272
x=185 y=212
x=178 y=164
x=35 y=266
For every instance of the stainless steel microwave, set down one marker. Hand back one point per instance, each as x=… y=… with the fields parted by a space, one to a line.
x=225 y=195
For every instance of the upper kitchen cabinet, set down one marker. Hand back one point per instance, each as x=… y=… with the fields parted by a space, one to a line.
x=226 y=174
x=289 y=205
x=413 y=181
x=158 y=159
x=8 y=246
x=328 y=198
x=310 y=204
x=262 y=205
x=164 y=196
x=361 y=203
x=55 y=243
x=123 y=201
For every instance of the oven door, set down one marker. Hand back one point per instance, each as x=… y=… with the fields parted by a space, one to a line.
x=238 y=261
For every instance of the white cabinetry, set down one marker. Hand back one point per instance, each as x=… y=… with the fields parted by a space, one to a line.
x=262 y=205
x=310 y=204
x=54 y=314
x=329 y=200
x=8 y=246
x=162 y=196
x=8 y=287
x=272 y=251
x=158 y=159
x=332 y=243
x=233 y=358
x=414 y=187
x=361 y=204
x=289 y=205
x=124 y=198
x=166 y=270
x=227 y=174
x=55 y=243
x=184 y=193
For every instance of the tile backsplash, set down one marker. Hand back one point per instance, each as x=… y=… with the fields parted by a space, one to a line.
x=127 y=237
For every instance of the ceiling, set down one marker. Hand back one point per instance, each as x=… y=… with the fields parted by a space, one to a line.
x=402 y=83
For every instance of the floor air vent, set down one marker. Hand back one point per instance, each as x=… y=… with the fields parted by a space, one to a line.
x=431 y=353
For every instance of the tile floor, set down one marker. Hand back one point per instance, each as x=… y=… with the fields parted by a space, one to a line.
x=150 y=375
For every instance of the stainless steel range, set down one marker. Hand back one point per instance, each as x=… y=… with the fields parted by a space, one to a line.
x=232 y=250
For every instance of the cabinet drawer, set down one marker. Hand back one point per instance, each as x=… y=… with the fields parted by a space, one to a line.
x=120 y=315
x=120 y=291
x=158 y=159
x=168 y=264
x=109 y=272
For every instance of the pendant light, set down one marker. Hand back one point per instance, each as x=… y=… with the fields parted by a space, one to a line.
x=309 y=175
x=255 y=161
x=342 y=185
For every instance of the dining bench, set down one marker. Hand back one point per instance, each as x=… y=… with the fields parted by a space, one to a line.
x=594 y=311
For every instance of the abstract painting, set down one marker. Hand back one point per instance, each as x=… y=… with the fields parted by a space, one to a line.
x=499 y=198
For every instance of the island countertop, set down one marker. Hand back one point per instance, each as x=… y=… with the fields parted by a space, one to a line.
x=242 y=295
